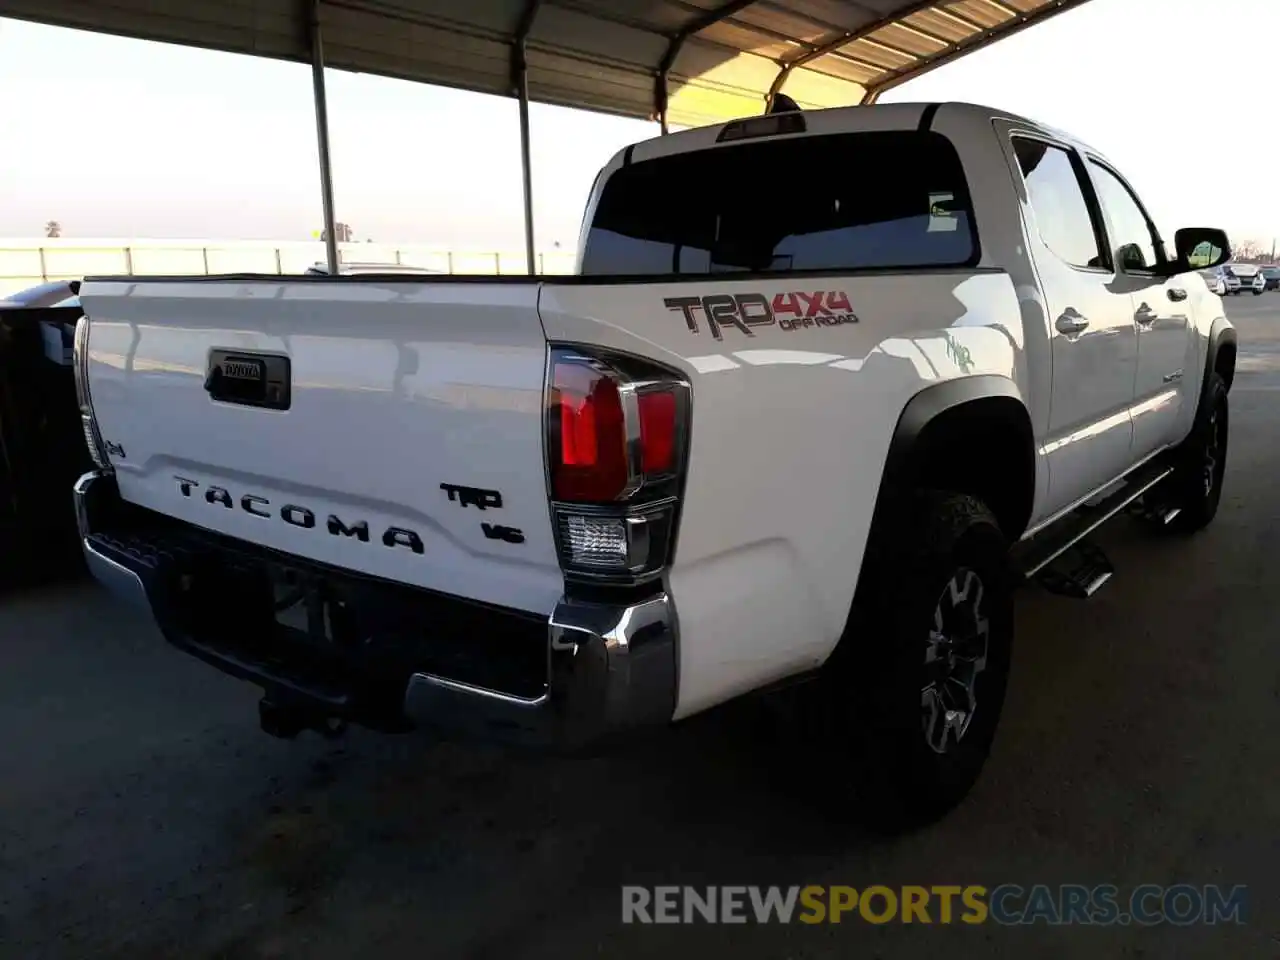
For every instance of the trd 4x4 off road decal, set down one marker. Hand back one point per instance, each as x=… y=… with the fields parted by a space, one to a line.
x=742 y=311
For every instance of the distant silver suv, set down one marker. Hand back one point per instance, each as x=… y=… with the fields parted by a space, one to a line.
x=1249 y=276
x=1219 y=282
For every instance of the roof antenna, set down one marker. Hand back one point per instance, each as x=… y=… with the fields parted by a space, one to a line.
x=781 y=103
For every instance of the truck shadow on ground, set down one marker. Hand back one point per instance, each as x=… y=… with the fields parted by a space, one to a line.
x=201 y=837
x=417 y=836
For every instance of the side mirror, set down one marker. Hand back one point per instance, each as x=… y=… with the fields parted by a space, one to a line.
x=1199 y=248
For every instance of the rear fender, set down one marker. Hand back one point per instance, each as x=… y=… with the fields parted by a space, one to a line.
x=791 y=427
x=985 y=416
x=1218 y=344
x=1222 y=345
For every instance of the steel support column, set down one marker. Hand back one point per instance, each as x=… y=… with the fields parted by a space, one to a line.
x=520 y=80
x=322 y=140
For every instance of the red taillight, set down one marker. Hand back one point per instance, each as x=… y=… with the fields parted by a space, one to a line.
x=613 y=430
x=616 y=429
x=592 y=462
x=657 y=431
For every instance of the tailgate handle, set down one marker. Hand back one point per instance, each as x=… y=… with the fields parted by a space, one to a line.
x=249 y=378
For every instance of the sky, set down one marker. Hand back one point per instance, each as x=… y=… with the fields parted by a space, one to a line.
x=125 y=138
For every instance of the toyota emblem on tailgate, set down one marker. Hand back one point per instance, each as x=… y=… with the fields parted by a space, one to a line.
x=242 y=369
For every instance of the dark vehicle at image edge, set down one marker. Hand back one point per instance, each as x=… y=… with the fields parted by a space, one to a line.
x=40 y=434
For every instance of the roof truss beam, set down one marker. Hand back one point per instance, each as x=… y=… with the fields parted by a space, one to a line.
x=677 y=41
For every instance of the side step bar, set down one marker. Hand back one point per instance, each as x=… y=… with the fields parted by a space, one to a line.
x=1078 y=572
x=1155 y=514
x=1061 y=560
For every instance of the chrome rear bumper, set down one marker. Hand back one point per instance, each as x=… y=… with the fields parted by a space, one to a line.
x=117 y=576
x=610 y=668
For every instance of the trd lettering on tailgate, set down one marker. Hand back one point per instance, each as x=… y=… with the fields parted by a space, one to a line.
x=743 y=311
x=472 y=496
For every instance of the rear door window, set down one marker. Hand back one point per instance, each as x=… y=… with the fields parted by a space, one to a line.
x=857 y=201
x=1056 y=192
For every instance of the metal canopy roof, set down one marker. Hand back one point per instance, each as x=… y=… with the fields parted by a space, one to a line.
x=690 y=62
x=687 y=62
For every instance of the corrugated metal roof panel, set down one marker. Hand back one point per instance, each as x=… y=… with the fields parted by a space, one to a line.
x=984 y=13
x=598 y=54
x=938 y=23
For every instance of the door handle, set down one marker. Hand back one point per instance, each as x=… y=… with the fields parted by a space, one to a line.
x=1145 y=316
x=1177 y=294
x=1071 y=322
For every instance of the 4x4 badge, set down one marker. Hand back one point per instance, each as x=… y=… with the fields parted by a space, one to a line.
x=743 y=311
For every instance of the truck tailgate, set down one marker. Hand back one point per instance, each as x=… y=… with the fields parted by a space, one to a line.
x=400 y=434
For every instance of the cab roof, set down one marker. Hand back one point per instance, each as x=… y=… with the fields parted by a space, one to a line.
x=892 y=116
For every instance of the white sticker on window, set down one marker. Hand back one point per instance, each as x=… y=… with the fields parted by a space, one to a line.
x=941 y=218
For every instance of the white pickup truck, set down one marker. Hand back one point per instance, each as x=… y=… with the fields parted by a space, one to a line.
x=826 y=387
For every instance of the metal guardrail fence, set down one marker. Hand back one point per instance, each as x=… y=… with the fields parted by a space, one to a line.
x=25 y=263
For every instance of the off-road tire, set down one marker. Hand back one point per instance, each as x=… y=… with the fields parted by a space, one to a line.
x=870 y=707
x=1200 y=461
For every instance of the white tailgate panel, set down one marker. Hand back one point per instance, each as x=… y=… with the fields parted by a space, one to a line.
x=397 y=388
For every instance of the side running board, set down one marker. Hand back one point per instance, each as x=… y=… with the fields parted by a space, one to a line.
x=1061 y=560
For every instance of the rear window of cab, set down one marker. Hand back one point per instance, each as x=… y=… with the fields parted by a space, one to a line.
x=851 y=201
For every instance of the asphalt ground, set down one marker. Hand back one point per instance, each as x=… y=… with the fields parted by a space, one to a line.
x=142 y=813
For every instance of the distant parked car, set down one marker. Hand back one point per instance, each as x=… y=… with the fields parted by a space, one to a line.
x=1216 y=281
x=1221 y=280
x=55 y=293
x=56 y=306
x=1250 y=277
x=1271 y=274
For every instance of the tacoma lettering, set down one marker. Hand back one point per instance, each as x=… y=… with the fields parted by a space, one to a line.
x=743 y=311
x=297 y=516
x=399 y=537
x=359 y=529
x=248 y=503
x=218 y=495
x=304 y=518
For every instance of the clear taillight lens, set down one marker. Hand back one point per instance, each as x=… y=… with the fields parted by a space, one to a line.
x=630 y=544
